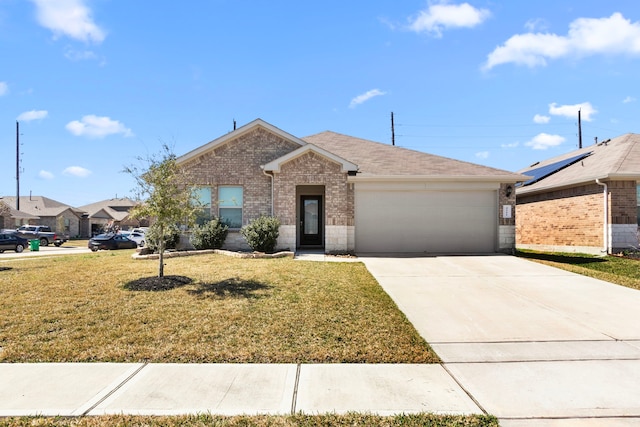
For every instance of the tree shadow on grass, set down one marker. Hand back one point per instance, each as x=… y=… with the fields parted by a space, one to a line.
x=6 y=268
x=564 y=259
x=230 y=288
x=155 y=284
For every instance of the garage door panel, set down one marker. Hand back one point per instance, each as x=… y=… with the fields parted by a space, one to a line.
x=426 y=221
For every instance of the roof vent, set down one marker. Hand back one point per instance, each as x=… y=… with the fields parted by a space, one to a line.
x=605 y=142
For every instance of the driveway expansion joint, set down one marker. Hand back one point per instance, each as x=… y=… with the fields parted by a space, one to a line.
x=118 y=387
x=484 y=411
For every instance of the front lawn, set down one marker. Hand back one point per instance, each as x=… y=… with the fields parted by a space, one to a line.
x=95 y=307
x=614 y=269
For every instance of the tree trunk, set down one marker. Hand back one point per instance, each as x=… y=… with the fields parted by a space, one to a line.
x=161 y=257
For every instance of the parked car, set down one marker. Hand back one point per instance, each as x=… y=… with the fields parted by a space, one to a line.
x=133 y=235
x=42 y=233
x=111 y=241
x=141 y=230
x=12 y=242
x=137 y=237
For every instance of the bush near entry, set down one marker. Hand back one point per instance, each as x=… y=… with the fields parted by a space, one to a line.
x=262 y=233
x=210 y=235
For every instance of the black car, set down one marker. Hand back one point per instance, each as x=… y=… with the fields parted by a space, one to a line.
x=111 y=241
x=12 y=242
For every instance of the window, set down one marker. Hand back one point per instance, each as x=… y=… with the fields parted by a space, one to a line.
x=230 y=206
x=202 y=196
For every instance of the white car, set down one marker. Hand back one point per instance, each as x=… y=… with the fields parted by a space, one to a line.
x=134 y=235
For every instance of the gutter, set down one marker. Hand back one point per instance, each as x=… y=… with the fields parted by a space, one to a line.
x=270 y=175
x=605 y=221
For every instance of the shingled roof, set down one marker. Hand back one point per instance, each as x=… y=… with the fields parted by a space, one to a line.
x=40 y=206
x=375 y=159
x=613 y=159
x=116 y=209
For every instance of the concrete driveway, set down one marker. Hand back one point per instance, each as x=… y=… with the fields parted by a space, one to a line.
x=531 y=344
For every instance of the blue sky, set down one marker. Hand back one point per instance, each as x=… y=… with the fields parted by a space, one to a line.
x=97 y=83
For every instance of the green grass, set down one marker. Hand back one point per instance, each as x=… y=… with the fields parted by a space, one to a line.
x=614 y=269
x=101 y=307
x=351 y=420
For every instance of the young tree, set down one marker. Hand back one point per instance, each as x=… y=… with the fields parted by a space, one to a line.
x=166 y=196
x=4 y=214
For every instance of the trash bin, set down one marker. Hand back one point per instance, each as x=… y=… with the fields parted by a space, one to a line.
x=34 y=245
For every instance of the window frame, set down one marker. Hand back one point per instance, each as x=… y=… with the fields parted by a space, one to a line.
x=235 y=206
x=206 y=207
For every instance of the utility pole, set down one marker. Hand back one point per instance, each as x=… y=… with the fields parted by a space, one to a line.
x=579 y=130
x=393 y=131
x=17 y=165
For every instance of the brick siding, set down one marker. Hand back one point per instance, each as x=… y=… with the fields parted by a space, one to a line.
x=238 y=162
x=573 y=217
x=313 y=169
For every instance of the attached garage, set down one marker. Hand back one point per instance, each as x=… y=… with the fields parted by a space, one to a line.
x=419 y=217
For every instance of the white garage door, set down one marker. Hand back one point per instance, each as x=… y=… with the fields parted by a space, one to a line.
x=426 y=221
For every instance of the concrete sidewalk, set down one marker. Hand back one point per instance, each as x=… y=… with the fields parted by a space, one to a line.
x=533 y=345
x=77 y=389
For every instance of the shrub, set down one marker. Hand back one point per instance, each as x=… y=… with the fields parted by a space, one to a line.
x=210 y=235
x=171 y=238
x=262 y=233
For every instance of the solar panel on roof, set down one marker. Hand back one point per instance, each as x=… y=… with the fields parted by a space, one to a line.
x=544 y=171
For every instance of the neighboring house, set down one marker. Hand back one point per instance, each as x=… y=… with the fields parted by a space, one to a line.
x=341 y=194
x=12 y=219
x=582 y=201
x=62 y=218
x=112 y=212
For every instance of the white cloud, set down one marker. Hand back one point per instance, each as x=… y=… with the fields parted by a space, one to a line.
x=511 y=145
x=365 y=97
x=28 y=116
x=482 y=155
x=76 y=171
x=586 y=36
x=440 y=16
x=97 y=127
x=629 y=99
x=571 y=111
x=71 y=18
x=540 y=119
x=4 y=88
x=79 y=55
x=45 y=175
x=536 y=25
x=542 y=141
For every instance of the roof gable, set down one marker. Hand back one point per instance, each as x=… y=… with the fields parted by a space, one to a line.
x=258 y=123
x=614 y=159
x=117 y=209
x=274 y=166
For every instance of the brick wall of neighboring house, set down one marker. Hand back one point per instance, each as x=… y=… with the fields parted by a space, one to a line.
x=561 y=219
x=67 y=224
x=572 y=218
x=623 y=216
x=237 y=163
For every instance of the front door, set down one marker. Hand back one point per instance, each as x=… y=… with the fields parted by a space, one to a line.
x=311 y=221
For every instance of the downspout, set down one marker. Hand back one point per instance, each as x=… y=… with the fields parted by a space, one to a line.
x=270 y=176
x=605 y=221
